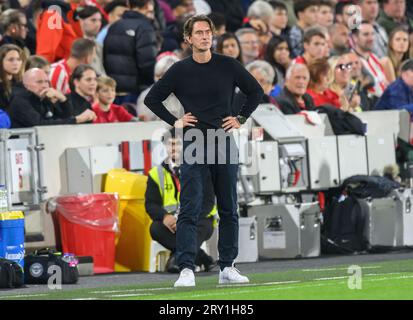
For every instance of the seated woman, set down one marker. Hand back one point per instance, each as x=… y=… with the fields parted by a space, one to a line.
x=398 y=52
x=83 y=84
x=228 y=45
x=12 y=62
x=318 y=87
x=106 y=111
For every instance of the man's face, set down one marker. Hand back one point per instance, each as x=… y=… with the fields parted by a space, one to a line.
x=250 y=45
x=174 y=149
x=279 y=19
x=395 y=8
x=356 y=66
x=185 y=9
x=116 y=14
x=261 y=79
x=325 y=16
x=316 y=47
x=340 y=39
x=309 y=16
x=37 y=83
x=91 y=25
x=407 y=77
x=22 y=27
x=370 y=9
x=201 y=37
x=298 y=82
x=365 y=38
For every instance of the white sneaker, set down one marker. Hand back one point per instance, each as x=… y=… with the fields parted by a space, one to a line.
x=186 y=279
x=231 y=275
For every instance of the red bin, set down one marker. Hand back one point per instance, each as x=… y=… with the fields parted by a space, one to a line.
x=88 y=224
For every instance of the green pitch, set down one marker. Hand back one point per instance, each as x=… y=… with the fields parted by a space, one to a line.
x=384 y=280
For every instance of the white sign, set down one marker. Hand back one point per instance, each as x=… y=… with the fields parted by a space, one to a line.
x=274 y=240
x=20 y=169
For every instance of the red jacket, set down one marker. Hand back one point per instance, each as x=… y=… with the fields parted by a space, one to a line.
x=54 y=36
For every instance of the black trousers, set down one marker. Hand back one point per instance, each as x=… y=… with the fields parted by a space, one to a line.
x=161 y=233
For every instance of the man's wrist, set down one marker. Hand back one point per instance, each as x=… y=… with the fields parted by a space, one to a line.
x=241 y=119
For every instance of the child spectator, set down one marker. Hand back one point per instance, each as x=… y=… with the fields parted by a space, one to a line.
x=104 y=108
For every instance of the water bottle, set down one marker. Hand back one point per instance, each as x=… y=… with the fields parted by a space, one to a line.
x=3 y=199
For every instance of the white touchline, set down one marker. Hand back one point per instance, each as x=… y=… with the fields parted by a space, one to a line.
x=336 y=269
x=25 y=296
x=132 y=290
x=130 y=295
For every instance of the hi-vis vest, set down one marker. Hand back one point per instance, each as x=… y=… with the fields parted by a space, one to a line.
x=164 y=180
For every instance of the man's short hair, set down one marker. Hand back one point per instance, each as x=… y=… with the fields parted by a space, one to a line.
x=260 y=9
x=189 y=24
x=240 y=32
x=356 y=31
x=9 y=17
x=277 y=5
x=326 y=3
x=106 y=81
x=294 y=66
x=114 y=4
x=313 y=32
x=407 y=65
x=138 y=3
x=35 y=61
x=302 y=5
x=81 y=48
x=87 y=11
x=264 y=67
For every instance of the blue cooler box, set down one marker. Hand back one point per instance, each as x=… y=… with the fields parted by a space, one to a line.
x=12 y=236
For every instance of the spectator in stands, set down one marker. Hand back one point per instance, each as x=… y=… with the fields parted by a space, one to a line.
x=279 y=21
x=363 y=38
x=399 y=94
x=306 y=12
x=318 y=87
x=341 y=91
x=105 y=109
x=83 y=83
x=339 y=39
x=82 y=52
x=315 y=46
x=325 y=16
x=264 y=73
x=350 y=14
x=259 y=17
x=173 y=105
x=182 y=8
x=13 y=24
x=250 y=44
x=37 y=104
x=228 y=44
x=293 y=98
x=91 y=22
x=115 y=10
x=130 y=51
x=162 y=205
x=219 y=22
x=358 y=74
x=38 y=62
x=398 y=52
x=54 y=35
x=231 y=9
x=394 y=15
x=278 y=55
x=370 y=11
x=12 y=62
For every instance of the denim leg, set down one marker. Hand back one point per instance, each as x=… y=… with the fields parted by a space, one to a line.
x=190 y=209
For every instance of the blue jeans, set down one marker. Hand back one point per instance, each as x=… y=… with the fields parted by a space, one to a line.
x=224 y=179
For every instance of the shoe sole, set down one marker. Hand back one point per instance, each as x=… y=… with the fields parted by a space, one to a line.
x=186 y=285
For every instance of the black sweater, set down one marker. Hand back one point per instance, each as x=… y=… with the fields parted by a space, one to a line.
x=154 y=203
x=28 y=110
x=205 y=89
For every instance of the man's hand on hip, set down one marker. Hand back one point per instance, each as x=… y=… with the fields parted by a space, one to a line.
x=231 y=123
x=187 y=120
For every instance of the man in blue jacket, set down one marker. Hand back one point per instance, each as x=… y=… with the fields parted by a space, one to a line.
x=399 y=94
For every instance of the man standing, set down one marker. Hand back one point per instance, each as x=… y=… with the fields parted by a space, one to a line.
x=130 y=50
x=204 y=83
x=370 y=11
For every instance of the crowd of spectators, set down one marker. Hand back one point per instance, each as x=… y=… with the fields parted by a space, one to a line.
x=94 y=61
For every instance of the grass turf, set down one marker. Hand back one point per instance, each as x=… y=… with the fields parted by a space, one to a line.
x=384 y=280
